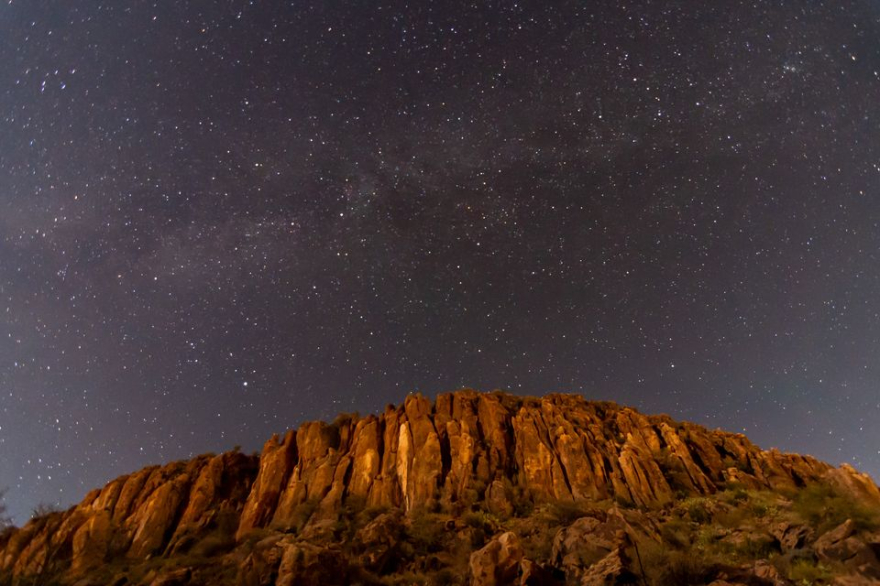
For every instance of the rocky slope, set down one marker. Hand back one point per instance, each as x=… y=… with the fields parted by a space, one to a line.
x=471 y=488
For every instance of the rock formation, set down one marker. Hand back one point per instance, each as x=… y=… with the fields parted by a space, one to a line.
x=271 y=518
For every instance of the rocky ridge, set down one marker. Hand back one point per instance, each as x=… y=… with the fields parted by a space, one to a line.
x=281 y=517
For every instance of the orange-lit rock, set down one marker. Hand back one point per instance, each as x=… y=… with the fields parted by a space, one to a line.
x=464 y=450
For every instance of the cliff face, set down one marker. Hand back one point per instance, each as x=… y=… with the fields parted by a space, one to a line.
x=560 y=447
x=466 y=451
x=139 y=515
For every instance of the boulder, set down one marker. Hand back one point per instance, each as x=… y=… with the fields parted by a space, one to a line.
x=379 y=539
x=498 y=563
x=843 y=545
x=588 y=540
x=791 y=536
x=610 y=570
x=260 y=567
x=306 y=564
x=766 y=571
x=534 y=574
x=840 y=543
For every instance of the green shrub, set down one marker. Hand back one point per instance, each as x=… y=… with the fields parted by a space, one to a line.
x=662 y=566
x=45 y=509
x=823 y=507
x=538 y=546
x=807 y=571
x=226 y=521
x=444 y=577
x=677 y=533
x=763 y=509
x=302 y=513
x=519 y=497
x=351 y=517
x=754 y=549
x=693 y=567
x=470 y=497
x=706 y=537
x=698 y=510
x=565 y=513
x=370 y=513
x=213 y=545
x=484 y=524
x=254 y=536
x=481 y=520
x=732 y=518
x=425 y=532
x=735 y=493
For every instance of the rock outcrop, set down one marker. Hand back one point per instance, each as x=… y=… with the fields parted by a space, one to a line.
x=463 y=452
x=498 y=563
x=135 y=516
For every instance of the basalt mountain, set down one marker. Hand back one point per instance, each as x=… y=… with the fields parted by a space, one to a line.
x=471 y=488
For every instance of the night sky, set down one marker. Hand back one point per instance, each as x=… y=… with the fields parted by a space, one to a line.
x=221 y=219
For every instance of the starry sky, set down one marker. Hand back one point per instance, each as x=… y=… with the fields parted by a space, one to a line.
x=221 y=219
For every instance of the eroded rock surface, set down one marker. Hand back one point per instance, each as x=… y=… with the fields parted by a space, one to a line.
x=464 y=451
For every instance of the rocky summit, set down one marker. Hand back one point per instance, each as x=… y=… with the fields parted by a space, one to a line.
x=472 y=488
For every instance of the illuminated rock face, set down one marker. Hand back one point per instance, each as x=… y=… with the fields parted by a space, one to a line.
x=135 y=516
x=557 y=448
x=463 y=447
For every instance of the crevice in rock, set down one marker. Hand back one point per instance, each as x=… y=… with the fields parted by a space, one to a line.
x=292 y=462
x=698 y=461
x=445 y=458
x=564 y=472
x=346 y=476
x=178 y=514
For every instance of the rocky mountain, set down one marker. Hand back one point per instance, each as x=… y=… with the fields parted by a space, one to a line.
x=472 y=488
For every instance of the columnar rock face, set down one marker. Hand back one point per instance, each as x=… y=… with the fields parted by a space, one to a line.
x=276 y=463
x=463 y=447
x=134 y=516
